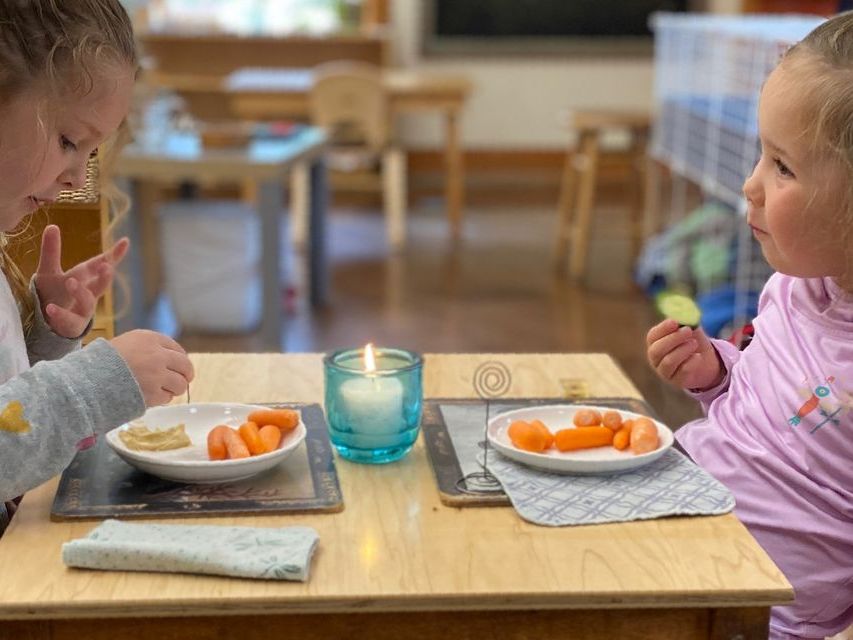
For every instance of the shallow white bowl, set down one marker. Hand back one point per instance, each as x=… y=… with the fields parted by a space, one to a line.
x=191 y=464
x=600 y=460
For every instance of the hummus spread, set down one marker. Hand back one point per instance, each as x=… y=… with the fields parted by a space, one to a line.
x=138 y=437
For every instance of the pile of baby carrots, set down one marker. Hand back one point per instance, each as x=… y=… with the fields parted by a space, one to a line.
x=261 y=433
x=592 y=429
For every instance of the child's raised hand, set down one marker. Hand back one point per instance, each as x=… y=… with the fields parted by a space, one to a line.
x=159 y=364
x=683 y=356
x=68 y=298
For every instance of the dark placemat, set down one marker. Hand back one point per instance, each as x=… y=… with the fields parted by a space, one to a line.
x=98 y=484
x=454 y=444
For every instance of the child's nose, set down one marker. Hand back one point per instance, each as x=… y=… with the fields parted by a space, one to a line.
x=752 y=190
x=74 y=177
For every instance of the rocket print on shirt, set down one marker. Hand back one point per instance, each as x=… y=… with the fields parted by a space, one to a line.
x=823 y=404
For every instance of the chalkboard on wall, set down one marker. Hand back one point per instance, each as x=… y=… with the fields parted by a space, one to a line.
x=516 y=26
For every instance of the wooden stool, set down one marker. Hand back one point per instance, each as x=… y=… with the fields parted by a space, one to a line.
x=577 y=191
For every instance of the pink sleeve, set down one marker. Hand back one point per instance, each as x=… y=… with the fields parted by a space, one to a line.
x=729 y=354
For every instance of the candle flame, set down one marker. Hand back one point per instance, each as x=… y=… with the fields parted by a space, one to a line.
x=369 y=358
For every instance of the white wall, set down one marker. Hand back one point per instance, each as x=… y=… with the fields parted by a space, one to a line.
x=517 y=102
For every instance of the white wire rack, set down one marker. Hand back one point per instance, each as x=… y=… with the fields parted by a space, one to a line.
x=708 y=75
x=709 y=70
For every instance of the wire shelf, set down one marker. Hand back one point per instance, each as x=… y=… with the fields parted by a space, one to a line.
x=709 y=70
x=708 y=75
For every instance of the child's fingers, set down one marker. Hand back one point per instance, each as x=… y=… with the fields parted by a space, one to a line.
x=672 y=361
x=174 y=382
x=63 y=321
x=180 y=364
x=110 y=257
x=119 y=250
x=83 y=301
x=51 y=251
x=102 y=280
x=661 y=347
x=688 y=370
x=660 y=330
x=169 y=343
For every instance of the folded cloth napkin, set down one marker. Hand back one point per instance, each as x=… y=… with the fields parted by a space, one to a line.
x=672 y=485
x=246 y=552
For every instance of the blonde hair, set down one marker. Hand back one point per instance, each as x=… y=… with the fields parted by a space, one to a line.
x=826 y=58
x=58 y=48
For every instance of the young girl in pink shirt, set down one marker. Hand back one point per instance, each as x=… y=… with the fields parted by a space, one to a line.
x=778 y=429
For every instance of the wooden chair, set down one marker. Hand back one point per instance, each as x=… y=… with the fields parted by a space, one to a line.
x=349 y=100
x=577 y=193
x=83 y=218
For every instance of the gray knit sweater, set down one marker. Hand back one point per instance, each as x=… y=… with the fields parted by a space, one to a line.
x=53 y=395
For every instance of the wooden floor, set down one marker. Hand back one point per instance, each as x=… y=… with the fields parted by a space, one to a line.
x=496 y=292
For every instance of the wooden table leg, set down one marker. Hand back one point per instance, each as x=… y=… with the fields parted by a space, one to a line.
x=639 y=142
x=739 y=624
x=455 y=179
x=300 y=186
x=318 y=274
x=269 y=209
x=651 y=198
x=142 y=268
x=586 y=196
x=145 y=194
x=565 y=210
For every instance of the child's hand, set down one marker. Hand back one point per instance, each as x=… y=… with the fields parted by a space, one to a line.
x=68 y=298
x=159 y=364
x=683 y=356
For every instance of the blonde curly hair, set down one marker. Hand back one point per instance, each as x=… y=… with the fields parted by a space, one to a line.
x=60 y=47
x=825 y=56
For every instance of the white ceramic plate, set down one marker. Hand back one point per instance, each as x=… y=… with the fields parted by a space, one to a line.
x=600 y=460
x=191 y=464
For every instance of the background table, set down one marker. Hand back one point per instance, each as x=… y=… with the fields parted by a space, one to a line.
x=398 y=563
x=177 y=157
x=272 y=93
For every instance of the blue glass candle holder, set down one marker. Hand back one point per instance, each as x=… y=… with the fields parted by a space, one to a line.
x=374 y=416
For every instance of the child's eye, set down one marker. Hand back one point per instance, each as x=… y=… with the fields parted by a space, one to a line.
x=66 y=144
x=782 y=168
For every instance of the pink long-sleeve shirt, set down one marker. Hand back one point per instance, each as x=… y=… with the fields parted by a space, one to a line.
x=778 y=432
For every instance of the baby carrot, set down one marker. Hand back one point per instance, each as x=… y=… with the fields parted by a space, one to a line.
x=612 y=420
x=587 y=418
x=644 y=436
x=527 y=437
x=235 y=445
x=249 y=432
x=285 y=419
x=216 y=443
x=583 y=438
x=549 y=437
x=622 y=438
x=270 y=437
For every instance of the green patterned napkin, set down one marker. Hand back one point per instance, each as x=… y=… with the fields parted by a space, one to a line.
x=246 y=552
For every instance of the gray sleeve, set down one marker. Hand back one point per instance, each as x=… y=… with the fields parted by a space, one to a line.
x=46 y=411
x=42 y=342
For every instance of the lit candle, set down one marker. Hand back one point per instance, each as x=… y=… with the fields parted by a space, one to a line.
x=373 y=405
